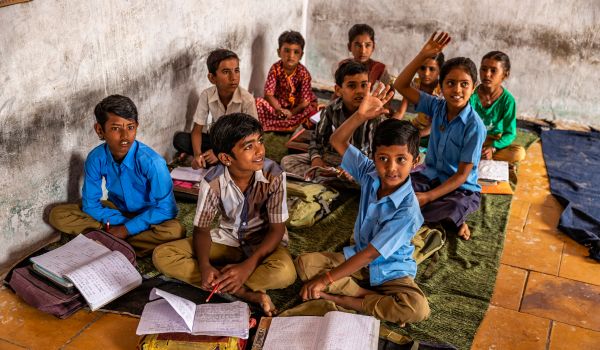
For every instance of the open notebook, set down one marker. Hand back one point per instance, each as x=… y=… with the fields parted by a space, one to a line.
x=173 y=314
x=100 y=274
x=335 y=330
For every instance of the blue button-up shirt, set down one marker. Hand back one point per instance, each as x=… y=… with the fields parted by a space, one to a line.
x=452 y=142
x=388 y=223
x=141 y=186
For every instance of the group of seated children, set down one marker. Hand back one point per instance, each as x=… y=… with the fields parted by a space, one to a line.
x=246 y=253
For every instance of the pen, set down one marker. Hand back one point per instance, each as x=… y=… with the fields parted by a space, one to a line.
x=213 y=292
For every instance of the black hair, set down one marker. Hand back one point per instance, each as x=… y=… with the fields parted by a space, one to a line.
x=116 y=104
x=439 y=58
x=349 y=67
x=392 y=132
x=499 y=56
x=216 y=57
x=291 y=37
x=360 y=29
x=464 y=63
x=231 y=128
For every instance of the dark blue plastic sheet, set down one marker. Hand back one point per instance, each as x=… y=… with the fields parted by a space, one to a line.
x=573 y=164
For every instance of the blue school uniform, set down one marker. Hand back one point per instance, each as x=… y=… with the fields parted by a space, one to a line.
x=140 y=186
x=452 y=142
x=388 y=224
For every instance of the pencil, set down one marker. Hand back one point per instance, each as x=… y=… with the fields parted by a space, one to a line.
x=107 y=226
x=213 y=292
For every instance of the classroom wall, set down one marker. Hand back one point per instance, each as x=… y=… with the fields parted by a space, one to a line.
x=554 y=45
x=60 y=58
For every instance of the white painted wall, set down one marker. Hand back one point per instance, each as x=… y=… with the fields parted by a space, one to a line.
x=554 y=46
x=59 y=58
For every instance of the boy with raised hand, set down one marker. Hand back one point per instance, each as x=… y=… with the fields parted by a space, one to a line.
x=141 y=207
x=351 y=80
x=246 y=254
x=226 y=96
x=388 y=218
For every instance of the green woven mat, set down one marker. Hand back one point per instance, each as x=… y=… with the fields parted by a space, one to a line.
x=460 y=288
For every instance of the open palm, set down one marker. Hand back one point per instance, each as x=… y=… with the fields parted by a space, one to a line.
x=436 y=43
x=373 y=103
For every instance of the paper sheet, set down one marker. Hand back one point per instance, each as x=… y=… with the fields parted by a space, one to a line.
x=348 y=331
x=315 y=117
x=105 y=279
x=297 y=333
x=187 y=174
x=159 y=317
x=183 y=308
x=228 y=319
x=77 y=252
x=493 y=170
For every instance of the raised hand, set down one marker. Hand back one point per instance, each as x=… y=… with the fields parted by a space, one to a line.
x=373 y=103
x=435 y=44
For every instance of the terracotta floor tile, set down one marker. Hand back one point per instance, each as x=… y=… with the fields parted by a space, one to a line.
x=532 y=250
x=24 y=325
x=543 y=217
x=535 y=195
x=562 y=300
x=510 y=284
x=517 y=215
x=111 y=331
x=567 y=337
x=511 y=330
x=577 y=265
x=5 y=345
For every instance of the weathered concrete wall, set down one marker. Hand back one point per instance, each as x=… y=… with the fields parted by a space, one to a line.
x=59 y=58
x=554 y=46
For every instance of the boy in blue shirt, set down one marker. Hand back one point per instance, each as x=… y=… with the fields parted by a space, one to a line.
x=447 y=188
x=388 y=218
x=141 y=207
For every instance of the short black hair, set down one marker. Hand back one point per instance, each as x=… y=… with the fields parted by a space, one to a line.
x=231 y=128
x=216 y=57
x=349 y=67
x=119 y=105
x=499 y=56
x=360 y=29
x=291 y=37
x=464 y=63
x=392 y=132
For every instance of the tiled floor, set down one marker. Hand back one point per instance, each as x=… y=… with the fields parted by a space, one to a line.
x=547 y=292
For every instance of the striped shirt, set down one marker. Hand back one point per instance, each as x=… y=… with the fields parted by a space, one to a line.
x=245 y=217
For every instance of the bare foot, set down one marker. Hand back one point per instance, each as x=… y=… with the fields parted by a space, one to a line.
x=464 y=232
x=259 y=298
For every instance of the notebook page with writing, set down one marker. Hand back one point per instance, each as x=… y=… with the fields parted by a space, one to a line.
x=77 y=252
x=159 y=317
x=185 y=309
x=343 y=330
x=188 y=174
x=224 y=319
x=293 y=333
x=105 y=279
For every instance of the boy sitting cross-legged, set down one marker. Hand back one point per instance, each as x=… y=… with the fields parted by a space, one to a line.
x=246 y=254
x=388 y=218
x=351 y=80
x=225 y=97
x=141 y=207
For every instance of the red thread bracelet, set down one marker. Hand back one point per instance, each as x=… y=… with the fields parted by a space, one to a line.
x=329 y=277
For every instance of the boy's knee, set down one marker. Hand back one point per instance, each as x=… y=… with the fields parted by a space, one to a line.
x=300 y=266
x=162 y=256
x=421 y=310
x=285 y=272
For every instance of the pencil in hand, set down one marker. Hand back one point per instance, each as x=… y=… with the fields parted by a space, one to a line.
x=212 y=292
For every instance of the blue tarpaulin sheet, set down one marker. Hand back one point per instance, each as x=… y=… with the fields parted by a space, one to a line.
x=573 y=164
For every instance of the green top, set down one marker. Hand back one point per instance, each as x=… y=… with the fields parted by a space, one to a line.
x=499 y=119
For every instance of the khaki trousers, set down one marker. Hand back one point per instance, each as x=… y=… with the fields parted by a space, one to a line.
x=178 y=259
x=70 y=219
x=398 y=301
x=511 y=153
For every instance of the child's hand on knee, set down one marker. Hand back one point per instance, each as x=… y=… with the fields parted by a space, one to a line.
x=233 y=277
x=313 y=288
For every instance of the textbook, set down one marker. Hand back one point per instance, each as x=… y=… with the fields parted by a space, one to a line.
x=493 y=170
x=100 y=274
x=174 y=314
x=335 y=330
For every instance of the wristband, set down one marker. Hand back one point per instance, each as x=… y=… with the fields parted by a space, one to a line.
x=328 y=274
